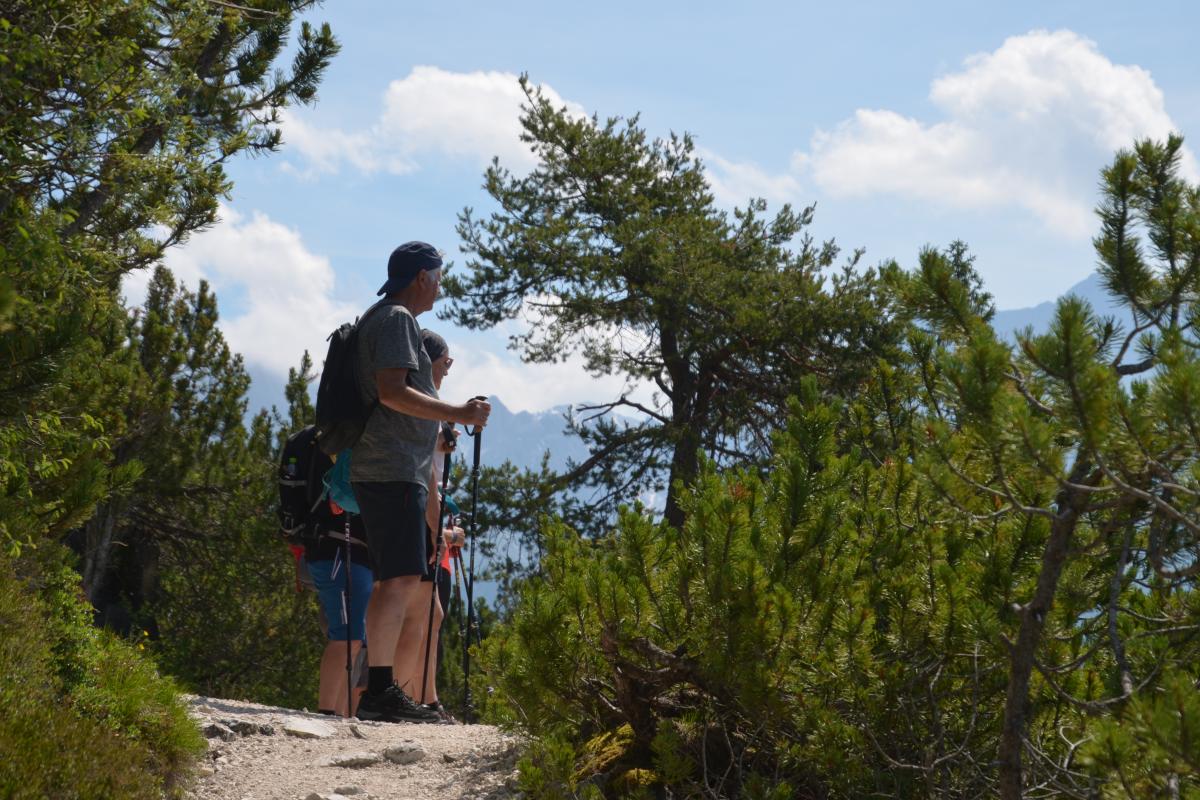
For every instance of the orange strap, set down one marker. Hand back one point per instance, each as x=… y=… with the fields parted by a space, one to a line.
x=297 y=554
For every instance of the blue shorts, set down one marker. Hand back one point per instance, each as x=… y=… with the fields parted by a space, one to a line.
x=331 y=590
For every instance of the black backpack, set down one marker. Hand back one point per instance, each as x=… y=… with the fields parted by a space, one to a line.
x=302 y=466
x=342 y=411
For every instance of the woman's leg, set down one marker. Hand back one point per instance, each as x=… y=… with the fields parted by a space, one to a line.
x=410 y=662
x=331 y=696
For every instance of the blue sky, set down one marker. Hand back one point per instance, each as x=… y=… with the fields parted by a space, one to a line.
x=907 y=124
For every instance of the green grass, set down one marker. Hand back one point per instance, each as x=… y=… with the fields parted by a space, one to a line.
x=86 y=715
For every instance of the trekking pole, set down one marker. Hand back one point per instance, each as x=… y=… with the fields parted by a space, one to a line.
x=474 y=616
x=468 y=706
x=460 y=576
x=456 y=566
x=437 y=566
x=346 y=610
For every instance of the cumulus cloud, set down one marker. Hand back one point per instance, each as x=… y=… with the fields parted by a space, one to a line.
x=326 y=150
x=429 y=113
x=735 y=182
x=282 y=296
x=523 y=387
x=282 y=291
x=537 y=387
x=1026 y=125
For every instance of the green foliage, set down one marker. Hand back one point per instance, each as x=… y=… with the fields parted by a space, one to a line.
x=125 y=435
x=115 y=122
x=703 y=640
x=547 y=770
x=450 y=672
x=1062 y=437
x=86 y=715
x=976 y=577
x=231 y=621
x=205 y=522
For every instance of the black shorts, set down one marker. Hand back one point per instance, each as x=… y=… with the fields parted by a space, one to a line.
x=394 y=515
x=443 y=585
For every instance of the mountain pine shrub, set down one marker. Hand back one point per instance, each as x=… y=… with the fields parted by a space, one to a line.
x=789 y=640
x=85 y=714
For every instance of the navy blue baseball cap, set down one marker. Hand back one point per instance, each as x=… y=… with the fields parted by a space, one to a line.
x=406 y=261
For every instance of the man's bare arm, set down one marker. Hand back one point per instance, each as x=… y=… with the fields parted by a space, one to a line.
x=396 y=394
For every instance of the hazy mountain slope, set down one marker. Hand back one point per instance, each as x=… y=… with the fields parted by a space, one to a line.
x=521 y=437
x=1038 y=317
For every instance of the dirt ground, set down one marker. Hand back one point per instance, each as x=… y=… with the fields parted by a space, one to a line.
x=252 y=756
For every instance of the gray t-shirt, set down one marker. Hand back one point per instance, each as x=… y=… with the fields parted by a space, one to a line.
x=394 y=446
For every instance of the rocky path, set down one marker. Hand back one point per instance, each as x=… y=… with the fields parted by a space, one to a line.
x=265 y=753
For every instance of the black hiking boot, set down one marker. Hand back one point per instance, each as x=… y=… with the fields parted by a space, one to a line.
x=444 y=716
x=393 y=705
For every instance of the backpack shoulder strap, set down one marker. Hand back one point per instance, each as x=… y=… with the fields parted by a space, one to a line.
x=384 y=303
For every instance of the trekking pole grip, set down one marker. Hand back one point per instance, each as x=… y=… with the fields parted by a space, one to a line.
x=477 y=435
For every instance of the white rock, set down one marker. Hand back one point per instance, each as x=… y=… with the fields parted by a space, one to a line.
x=350 y=760
x=306 y=728
x=405 y=753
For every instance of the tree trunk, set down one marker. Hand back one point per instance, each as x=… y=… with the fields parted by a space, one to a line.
x=683 y=417
x=1033 y=614
x=683 y=472
x=97 y=552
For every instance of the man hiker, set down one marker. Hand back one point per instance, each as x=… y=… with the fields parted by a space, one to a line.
x=391 y=469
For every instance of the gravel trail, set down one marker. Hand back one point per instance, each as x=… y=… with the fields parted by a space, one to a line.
x=261 y=752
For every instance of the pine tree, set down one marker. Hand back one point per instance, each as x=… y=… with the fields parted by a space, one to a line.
x=116 y=119
x=614 y=248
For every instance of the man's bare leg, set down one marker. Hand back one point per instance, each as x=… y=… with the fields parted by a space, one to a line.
x=386 y=612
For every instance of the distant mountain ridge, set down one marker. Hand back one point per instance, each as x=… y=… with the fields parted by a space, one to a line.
x=1038 y=317
x=523 y=436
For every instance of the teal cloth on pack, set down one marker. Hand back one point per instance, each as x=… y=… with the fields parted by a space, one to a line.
x=337 y=483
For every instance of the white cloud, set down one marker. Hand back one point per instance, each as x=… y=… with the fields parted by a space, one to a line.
x=430 y=113
x=537 y=387
x=1027 y=125
x=524 y=387
x=734 y=182
x=282 y=291
x=325 y=150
